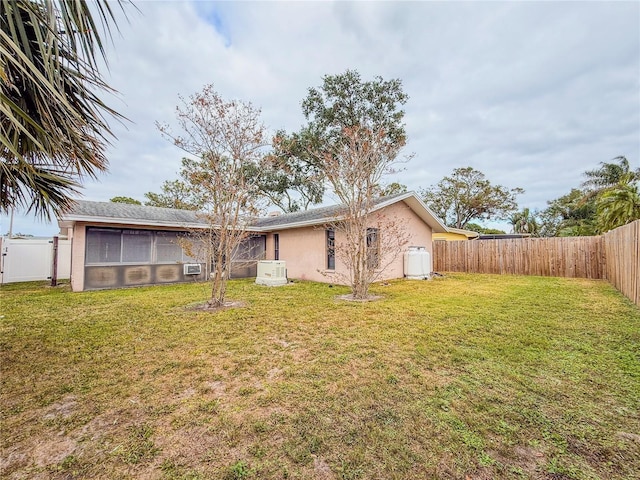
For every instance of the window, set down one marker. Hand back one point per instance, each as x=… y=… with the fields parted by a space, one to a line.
x=331 y=250
x=251 y=249
x=114 y=245
x=373 y=248
x=276 y=246
x=194 y=249
x=168 y=249
x=136 y=246
x=103 y=245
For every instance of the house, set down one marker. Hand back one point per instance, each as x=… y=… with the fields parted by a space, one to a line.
x=116 y=245
x=301 y=239
x=455 y=234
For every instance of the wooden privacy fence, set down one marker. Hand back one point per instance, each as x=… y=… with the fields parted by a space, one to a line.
x=614 y=256
x=579 y=257
x=622 y=254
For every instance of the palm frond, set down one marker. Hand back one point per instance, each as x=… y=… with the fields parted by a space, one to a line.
x=53 y=125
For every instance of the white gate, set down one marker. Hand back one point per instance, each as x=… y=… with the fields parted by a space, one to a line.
x=29 y=259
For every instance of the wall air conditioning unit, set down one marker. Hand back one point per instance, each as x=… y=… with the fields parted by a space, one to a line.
x=192 y=269
x=271 y=272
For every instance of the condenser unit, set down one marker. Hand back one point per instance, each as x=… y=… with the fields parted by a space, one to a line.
x=192 y=269
x=271 y=272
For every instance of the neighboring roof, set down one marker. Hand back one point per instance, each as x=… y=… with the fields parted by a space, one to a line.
x=502 y=236
x=127 y=214
x=467 y=233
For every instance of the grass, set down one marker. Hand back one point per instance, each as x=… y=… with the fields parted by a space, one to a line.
x=469 y=376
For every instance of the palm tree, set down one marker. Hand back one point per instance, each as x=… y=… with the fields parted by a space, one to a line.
x=610 y=175
x=618 y=206
x=53 y=130
x=525 y=222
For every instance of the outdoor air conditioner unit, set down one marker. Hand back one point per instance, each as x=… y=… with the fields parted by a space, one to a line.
x=271 y=272
x=192 y=269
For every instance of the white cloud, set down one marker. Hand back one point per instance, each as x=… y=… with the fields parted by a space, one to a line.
x=532 y=94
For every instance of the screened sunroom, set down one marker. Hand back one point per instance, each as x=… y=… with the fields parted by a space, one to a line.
x=120 y=257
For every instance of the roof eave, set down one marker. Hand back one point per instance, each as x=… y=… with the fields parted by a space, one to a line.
x=289 y=226
x=126 y=221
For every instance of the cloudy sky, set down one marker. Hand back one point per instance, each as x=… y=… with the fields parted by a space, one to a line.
x=530 y=93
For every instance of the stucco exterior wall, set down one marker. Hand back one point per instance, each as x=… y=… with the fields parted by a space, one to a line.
x=77 y=256
x=305 y=251
x=419 y=235
x=270 y=248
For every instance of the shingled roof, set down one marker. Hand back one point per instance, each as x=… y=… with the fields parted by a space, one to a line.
x=127 y=214
x=111 y=212
x=314 y=216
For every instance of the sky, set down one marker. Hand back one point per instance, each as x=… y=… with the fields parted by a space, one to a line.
x=532 y=94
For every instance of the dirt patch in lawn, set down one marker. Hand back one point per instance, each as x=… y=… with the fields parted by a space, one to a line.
x=633 y=437
x=57 y=444
x=216 y=387
x=349 y=298
x=322 y=469
x=64 y=408
x=527 y=458
x=205 y=307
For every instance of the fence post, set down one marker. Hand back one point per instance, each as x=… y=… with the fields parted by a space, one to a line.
x=54 y=273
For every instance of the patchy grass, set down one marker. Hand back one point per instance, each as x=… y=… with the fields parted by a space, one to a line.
x=470 y=376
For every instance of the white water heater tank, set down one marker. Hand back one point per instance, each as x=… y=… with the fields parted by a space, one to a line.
x=417 y=263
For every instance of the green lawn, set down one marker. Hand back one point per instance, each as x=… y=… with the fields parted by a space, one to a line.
x=466 y=377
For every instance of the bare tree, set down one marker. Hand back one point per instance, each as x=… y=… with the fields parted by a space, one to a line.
x=367 y=245
x=367 y=242
x=226 y=139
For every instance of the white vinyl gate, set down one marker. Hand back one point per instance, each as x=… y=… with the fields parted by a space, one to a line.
x=29 y=259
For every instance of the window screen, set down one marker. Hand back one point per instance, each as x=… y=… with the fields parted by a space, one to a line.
x=250 y=249
x=168 y=249
x=103 y=246
x=107 y=245
x=136 y=246
x=194 y=250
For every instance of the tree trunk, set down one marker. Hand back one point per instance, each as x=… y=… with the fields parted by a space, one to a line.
x=217 y=284
x=360 y=291
x=360 y=287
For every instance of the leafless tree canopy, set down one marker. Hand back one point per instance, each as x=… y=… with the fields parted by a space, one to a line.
x=224 y=140
x=354 y=167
